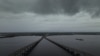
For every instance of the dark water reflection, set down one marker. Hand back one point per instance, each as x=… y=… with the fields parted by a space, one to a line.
x=9 y=45
x=90 y=43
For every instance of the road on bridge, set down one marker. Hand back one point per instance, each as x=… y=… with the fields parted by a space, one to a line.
x=46 y=48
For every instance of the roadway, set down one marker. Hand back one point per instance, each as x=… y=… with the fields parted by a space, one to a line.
x=46 y=48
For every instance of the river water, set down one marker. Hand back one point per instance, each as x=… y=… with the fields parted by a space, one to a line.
x=90 y=43
x=9 y=45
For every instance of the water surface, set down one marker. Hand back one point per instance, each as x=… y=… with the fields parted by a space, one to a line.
x=9 y=45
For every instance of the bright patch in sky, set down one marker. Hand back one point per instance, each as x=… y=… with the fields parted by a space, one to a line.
x=27 y=21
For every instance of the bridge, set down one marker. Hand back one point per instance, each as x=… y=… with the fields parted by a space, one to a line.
x=27 y=50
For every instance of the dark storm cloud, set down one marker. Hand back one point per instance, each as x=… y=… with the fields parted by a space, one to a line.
x=16 y=5
x=51 y=6
x=54 y=6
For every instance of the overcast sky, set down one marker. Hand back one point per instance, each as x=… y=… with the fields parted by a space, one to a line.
x=49 y=15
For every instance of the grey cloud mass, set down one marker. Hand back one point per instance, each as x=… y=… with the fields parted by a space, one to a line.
x=49 y=15
x=50 y=6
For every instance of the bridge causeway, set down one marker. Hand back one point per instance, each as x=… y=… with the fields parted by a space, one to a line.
x=26 y=51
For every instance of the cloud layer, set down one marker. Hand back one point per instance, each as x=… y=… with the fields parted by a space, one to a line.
x=30 y=22
x=49 y=15
x=51 y=6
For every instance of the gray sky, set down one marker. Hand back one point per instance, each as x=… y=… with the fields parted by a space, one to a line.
x=49 y=15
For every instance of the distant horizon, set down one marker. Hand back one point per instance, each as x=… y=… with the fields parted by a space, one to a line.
x=52 y=32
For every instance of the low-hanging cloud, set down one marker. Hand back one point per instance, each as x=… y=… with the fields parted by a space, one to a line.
x=29 y=22
x=51 y=6
x=49 y=15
